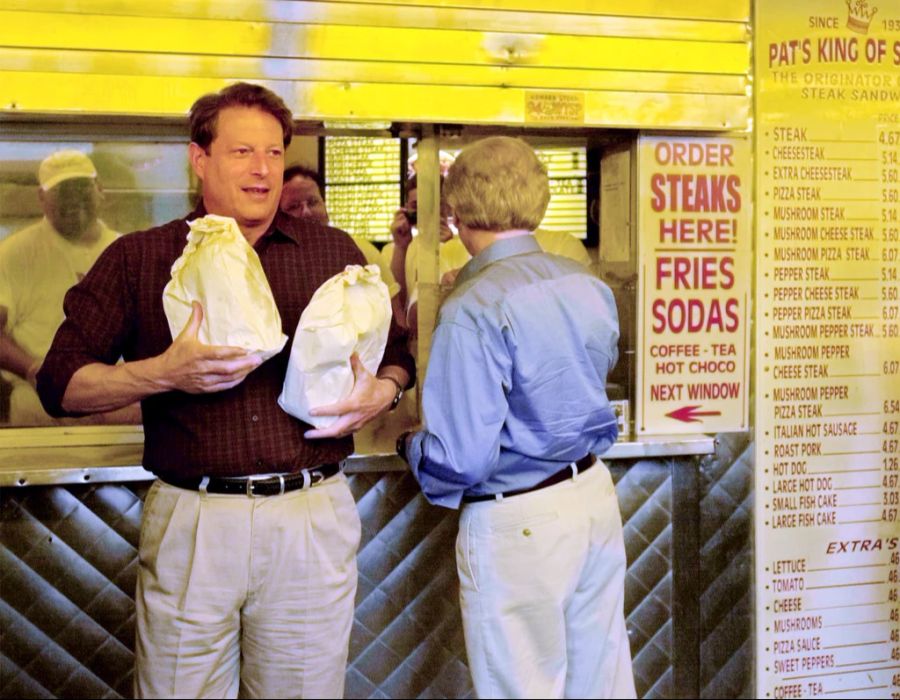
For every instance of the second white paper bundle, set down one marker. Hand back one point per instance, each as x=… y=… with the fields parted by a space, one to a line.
x=351 y=312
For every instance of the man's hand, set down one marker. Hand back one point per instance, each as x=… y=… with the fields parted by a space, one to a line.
x=401 y=230
x=186 y=365
x=446 y=233
x=448 y=279
x=370 y=397
x=31 y=374
x=196 y=368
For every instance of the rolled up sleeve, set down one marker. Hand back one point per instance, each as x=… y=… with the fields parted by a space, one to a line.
x=465 y=407
x=98 y=316
x=397 y=354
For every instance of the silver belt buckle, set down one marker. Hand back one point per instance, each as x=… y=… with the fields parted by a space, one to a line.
x=315 y=476
x=252 y=478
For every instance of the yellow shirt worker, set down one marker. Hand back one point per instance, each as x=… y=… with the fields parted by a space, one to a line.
x=563 y=244
x=452 y=254
x=38 y=265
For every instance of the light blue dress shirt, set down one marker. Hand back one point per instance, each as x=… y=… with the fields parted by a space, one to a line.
x=516 y=382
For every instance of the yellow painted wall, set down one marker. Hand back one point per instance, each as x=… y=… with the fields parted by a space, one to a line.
x=674 y=65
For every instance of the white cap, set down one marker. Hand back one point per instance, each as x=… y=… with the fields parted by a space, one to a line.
x=64 y=165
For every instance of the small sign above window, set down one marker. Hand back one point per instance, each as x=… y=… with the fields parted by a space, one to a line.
x=543 y=107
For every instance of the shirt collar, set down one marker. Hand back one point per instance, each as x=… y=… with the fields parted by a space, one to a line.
x=282 y=223
x=286 y=225
x=504 y=248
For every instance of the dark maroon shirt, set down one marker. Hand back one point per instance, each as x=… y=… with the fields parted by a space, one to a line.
x=117 y=311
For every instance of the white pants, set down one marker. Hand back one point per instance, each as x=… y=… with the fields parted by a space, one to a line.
x=542 y=587
x=246 y=595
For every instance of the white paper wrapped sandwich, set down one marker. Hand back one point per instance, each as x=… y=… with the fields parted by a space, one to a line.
x=220 y=269
x=351 y=312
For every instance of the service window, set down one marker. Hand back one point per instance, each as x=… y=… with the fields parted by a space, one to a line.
x=62 y=202
x=132 y=182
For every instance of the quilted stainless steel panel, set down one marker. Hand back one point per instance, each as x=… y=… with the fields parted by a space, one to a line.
x=68 y=567
x=726 y=569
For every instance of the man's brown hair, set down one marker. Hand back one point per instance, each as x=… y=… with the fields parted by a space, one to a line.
x=204 y=113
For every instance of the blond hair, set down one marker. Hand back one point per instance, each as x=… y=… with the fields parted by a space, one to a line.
x=498 y=184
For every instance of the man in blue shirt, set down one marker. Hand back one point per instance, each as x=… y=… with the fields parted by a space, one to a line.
x=515 y=409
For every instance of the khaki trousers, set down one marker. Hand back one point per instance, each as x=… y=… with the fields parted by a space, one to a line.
x=249 y=597
x=542 y=590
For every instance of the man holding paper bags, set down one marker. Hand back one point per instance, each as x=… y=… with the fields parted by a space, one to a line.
x=248 y=544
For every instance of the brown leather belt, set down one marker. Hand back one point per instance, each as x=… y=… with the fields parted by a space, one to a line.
x=582 y=465
x=258 y=485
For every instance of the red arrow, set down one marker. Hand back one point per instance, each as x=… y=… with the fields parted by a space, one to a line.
x=688 y=414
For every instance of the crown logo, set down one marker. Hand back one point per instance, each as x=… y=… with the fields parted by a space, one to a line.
x=859 y=16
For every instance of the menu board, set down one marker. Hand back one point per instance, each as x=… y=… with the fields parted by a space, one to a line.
x=693 y=284
x=828 y=349
x=567 y=175
x=362 y=184
x=567 y=172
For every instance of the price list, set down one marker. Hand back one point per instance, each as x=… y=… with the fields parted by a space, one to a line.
x=566 y=168
x=362 y=184
x=827 y=448
x=829 y=554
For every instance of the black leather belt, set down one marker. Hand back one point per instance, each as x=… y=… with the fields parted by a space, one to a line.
x=582 y=465
x=258 y=485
